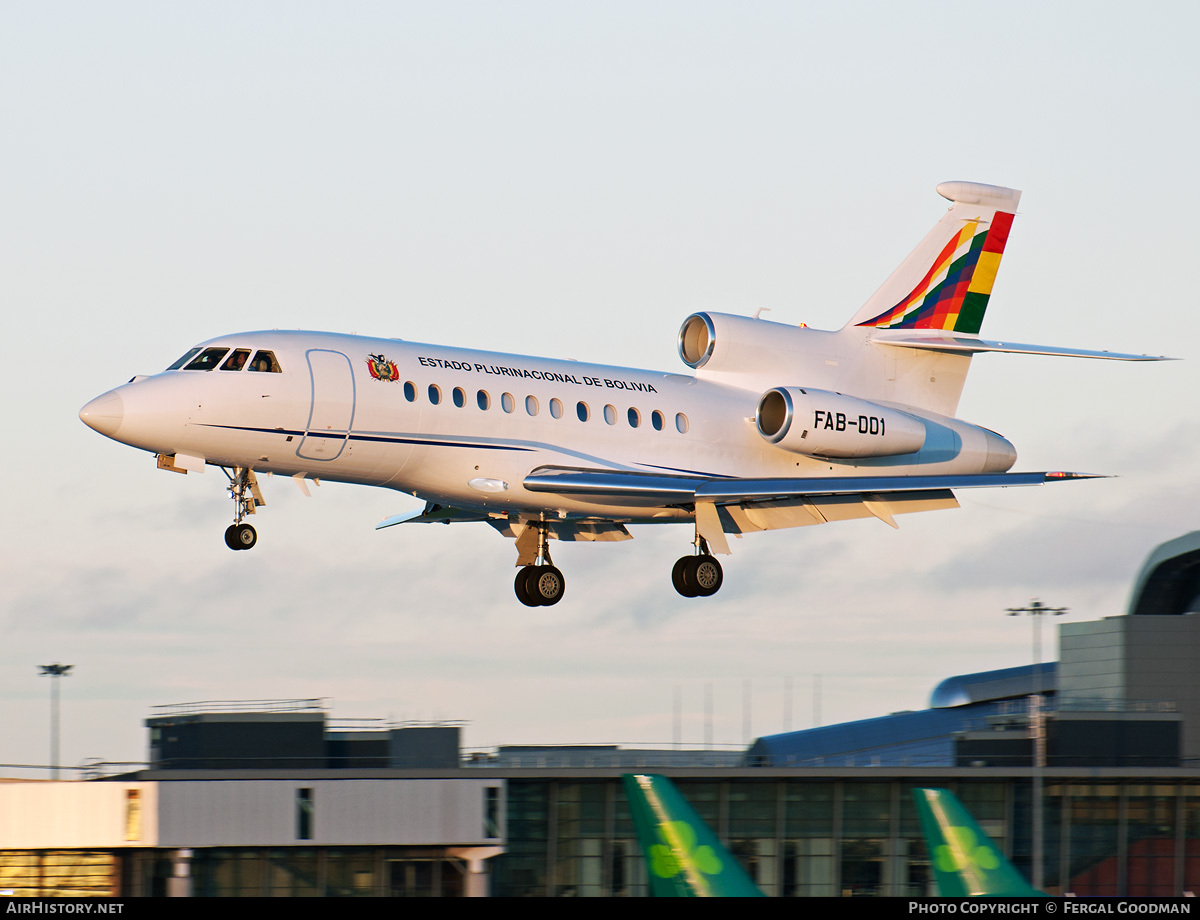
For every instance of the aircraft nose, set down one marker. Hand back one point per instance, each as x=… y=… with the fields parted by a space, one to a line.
x=104 y=413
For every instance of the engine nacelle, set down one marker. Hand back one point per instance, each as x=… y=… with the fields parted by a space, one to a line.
x=819 y=423
x=719 y=343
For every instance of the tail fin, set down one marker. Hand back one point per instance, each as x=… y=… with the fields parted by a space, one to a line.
x=965 y=861
x=946 y=281
x=684 y=858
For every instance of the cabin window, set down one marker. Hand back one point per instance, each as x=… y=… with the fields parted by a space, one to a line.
x=507 y=403
x=410 y=391
x=681 y=423
x=635 y=417
x=531 y=405
x=435 y=394
x=209 y=358
x=556 y=407
x=460 y=398
x=264 y=362
x=610 y=414
x=483 y=400
x=582 y=410
x=656 y=419
x=191 y=353
x=237 y=360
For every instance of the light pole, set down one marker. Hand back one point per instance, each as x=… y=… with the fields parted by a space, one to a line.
x=1037 y=724
x=54 y=672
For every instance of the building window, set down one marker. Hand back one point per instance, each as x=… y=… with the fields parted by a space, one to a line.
x=491 y=812
x=304 y=814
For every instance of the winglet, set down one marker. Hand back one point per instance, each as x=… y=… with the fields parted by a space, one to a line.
x=684 y=858
x=965 y=861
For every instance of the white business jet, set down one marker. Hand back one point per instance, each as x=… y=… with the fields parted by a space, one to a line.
x=778 y=426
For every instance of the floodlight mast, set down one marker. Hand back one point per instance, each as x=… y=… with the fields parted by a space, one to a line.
x=54 y=672
x=1037 y=723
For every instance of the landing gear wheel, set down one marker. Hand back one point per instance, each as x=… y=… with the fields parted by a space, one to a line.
x=547 y=585
x=677 y=576
x=705 y=574
x=240 y=536
x=697 y=576
x=522 y=587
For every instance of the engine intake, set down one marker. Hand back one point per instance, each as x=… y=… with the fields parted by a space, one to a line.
x=819 y=423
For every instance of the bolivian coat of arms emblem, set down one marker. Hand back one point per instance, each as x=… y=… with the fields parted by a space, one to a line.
x=382 y=369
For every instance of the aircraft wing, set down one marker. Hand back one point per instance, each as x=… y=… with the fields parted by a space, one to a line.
x=674 y=490
x=740 y=506
x=970 y=344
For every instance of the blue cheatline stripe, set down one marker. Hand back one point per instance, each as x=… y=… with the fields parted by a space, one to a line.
x=385 y=439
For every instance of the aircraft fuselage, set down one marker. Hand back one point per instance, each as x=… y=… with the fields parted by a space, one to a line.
x=464 y=427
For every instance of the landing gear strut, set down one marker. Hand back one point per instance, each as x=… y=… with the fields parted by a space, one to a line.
x=699 y=575
x=540 y=584
x=243 y=489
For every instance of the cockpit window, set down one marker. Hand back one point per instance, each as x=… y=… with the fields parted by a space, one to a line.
x=209 y=358
x=264 y=362
x=191 y=353
x=237 y=360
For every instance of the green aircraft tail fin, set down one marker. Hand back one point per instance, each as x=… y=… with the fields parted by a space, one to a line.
x=684 y=858
x=965 y=861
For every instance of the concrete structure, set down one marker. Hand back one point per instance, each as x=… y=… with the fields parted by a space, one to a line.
x=300 y=835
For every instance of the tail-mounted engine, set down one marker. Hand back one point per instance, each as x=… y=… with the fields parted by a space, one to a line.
x=819 y=423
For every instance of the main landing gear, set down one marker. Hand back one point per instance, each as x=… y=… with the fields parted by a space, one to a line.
x=699 y=575
x=540 y=584
x=243 y=489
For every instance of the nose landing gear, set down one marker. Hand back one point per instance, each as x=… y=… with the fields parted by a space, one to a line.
x=243 y=489
x=540 y=584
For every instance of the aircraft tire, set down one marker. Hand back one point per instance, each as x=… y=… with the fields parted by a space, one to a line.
x=231 y=536
x=522 y=588
x=705 y=575
x=547 y=585
x=244 y=536
x=678 y=577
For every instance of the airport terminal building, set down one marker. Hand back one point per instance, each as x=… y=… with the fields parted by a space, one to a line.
x=274 y=799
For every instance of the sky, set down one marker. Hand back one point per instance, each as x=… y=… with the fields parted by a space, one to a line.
x=570 y=180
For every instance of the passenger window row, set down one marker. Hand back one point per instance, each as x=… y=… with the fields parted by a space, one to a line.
x=483 y=399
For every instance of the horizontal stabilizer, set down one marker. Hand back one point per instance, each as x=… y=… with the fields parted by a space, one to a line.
x=969 y=344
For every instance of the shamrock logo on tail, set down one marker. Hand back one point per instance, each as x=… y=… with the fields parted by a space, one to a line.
x=679 y=835
x=964 y=850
